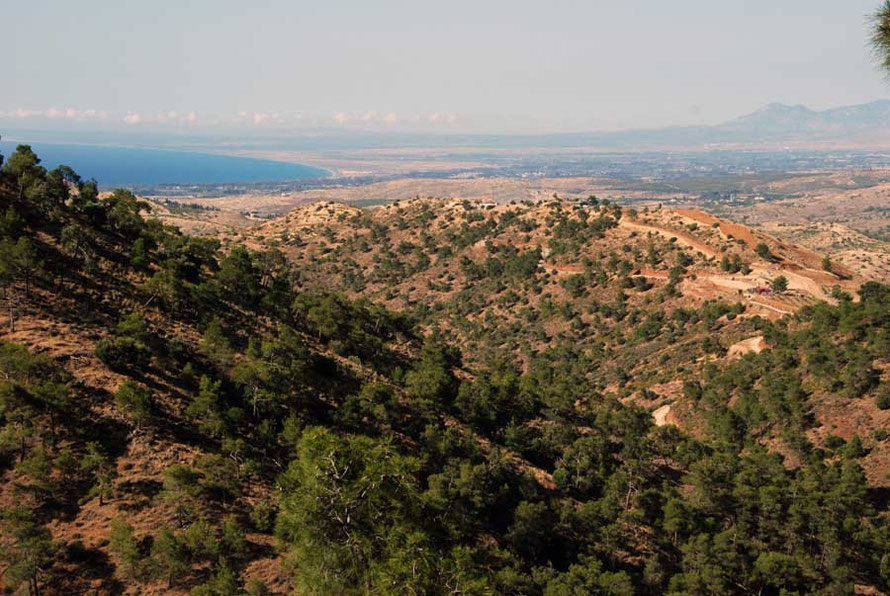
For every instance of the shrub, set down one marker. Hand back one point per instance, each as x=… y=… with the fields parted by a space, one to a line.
x=262 y=516
x=135 y=400
x=764 y=252
x=120 y=353
x=232 y=536
x=779 y=284
x=834 y=442
x=883 y=398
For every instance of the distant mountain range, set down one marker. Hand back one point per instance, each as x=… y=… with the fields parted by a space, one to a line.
x=774 y=126
x=777 y=118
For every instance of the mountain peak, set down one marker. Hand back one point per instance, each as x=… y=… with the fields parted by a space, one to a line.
x=777 y=110
x=782 y=107
x=784 y=114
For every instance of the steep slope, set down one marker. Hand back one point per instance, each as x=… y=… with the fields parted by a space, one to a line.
x=131 y=415
x=176 y=418
x=647 y=299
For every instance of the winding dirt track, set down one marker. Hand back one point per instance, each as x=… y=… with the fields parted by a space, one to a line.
x=682 y=237
x=772 y=308
x=726 y=228
x=802 y=279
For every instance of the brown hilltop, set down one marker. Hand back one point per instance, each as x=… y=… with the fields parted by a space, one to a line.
x=312 y=231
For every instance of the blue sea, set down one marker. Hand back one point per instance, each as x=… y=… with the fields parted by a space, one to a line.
x=128 y=166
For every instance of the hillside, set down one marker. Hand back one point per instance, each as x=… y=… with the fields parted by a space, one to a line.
x=182 y=417
x=523 y=277
x=647 y=300
x=851 y=225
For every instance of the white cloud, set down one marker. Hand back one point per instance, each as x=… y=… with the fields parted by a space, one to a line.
x=94 y=115
x=261 y=118
x=89 y=114
x=20 y=114
x=244 y=117
x=369 y=118
x=54 y=113
x=178 y=117
x=440 y=118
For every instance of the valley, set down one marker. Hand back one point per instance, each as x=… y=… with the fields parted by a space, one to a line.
x=190 y=408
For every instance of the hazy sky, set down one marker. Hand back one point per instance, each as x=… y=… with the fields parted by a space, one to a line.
x=458 y=65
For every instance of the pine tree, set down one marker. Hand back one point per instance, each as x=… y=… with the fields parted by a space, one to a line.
x=30 y=549
x=169 y=559
x=181 y=488
x=124 y=546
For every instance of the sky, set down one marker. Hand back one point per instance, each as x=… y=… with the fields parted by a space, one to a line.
x=487 y=66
